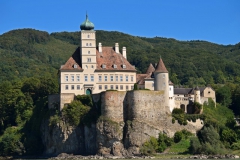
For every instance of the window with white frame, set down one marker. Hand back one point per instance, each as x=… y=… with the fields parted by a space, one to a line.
x=105 y=78
x=78 y=87
x=92 y=66
x=66 y=87
x=88 y=52
x=66 y=78
x=85 y=78
x=72 y=87
x=72 y=78
x=121 y=78
x=86 y=44
x=126 y=78
x=78 y=78
x=111 y=86
x=126 y=87
x=121 y=87
x=90 y=44
x=99 y=78
x=88 y=36
x=100 y=87
x=75 y=66
x=92 y=78
x=111 y=78
x=89 y=59
x=123 y=66
x=106 y=87
x=132 y=87
x=116 y=78
x=116 y=87
x=131 y=78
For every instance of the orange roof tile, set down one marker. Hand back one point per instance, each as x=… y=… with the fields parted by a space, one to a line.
x=150 y=69
x=161 y=67
x=109 y=57
x=74 y=59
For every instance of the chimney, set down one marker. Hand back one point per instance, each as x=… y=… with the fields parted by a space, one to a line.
x=100 y=47
x=116 y=48
x=124 y=52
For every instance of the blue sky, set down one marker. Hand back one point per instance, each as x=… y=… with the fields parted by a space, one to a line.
x=216 y=21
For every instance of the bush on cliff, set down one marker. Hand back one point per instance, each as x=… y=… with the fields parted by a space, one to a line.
x=154 y=145
x=75 y=112
x=208 y=142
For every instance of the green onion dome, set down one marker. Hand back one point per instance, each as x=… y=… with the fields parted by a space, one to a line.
x=87 y=25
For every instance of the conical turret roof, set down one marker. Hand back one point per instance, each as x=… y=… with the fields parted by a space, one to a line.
x=150 y=69
x=161 y=67
x=87 y=25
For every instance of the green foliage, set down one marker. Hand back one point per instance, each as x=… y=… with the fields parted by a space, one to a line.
x=135 y=86
x=178 y=136
x=216 y=116
x=163 y=142
x=235 y=146
x=75 y=112
x=10 y=142
x=223 y=96
x=150 y=146
x=208 y=142
x=197 y=108
x=229 y=136
x=154 y=145
x=183 y=134
x=177 y=111
x=54 y=120
x=85 y=100
x=181 y=147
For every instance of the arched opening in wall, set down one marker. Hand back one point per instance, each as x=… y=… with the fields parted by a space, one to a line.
x=88 y=92
x=189 y=109
x=182 y=106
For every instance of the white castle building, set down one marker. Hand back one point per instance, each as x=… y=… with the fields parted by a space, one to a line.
x=93 y=69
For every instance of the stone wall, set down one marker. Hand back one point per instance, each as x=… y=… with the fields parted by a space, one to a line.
x=112 y=105
x=53 y=100
x=66 y=98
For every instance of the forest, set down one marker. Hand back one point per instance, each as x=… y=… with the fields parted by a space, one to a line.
x=31 y=59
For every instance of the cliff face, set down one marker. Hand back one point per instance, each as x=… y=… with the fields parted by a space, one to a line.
x=127 y=120
x=63 y=138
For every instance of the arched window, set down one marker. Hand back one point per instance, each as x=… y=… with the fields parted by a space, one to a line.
x=182 y=106
x=86 y=44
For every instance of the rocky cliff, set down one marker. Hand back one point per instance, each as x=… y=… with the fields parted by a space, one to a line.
x=127 y=120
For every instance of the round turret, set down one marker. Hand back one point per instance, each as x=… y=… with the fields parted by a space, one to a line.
x=197 y=96
x=87 y=25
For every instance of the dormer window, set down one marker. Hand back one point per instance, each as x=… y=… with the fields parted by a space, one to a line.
x=75 y=66
x=114 y=66
x=103 y=66
x=123 y=66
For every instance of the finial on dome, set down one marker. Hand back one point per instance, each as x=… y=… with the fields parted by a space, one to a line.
x=87 y=25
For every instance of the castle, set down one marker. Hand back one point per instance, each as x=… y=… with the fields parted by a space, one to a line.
x=128 y=117
x=94 y=69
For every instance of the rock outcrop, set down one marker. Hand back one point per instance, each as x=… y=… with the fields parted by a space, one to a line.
x=127 y=120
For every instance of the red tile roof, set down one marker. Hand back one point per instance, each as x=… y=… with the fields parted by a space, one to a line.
x=108 y=57
x=161 y=67
x=141 y=78
x=150 y=69
x=74 y=59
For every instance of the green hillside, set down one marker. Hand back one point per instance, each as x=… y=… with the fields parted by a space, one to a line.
x=28 y=52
